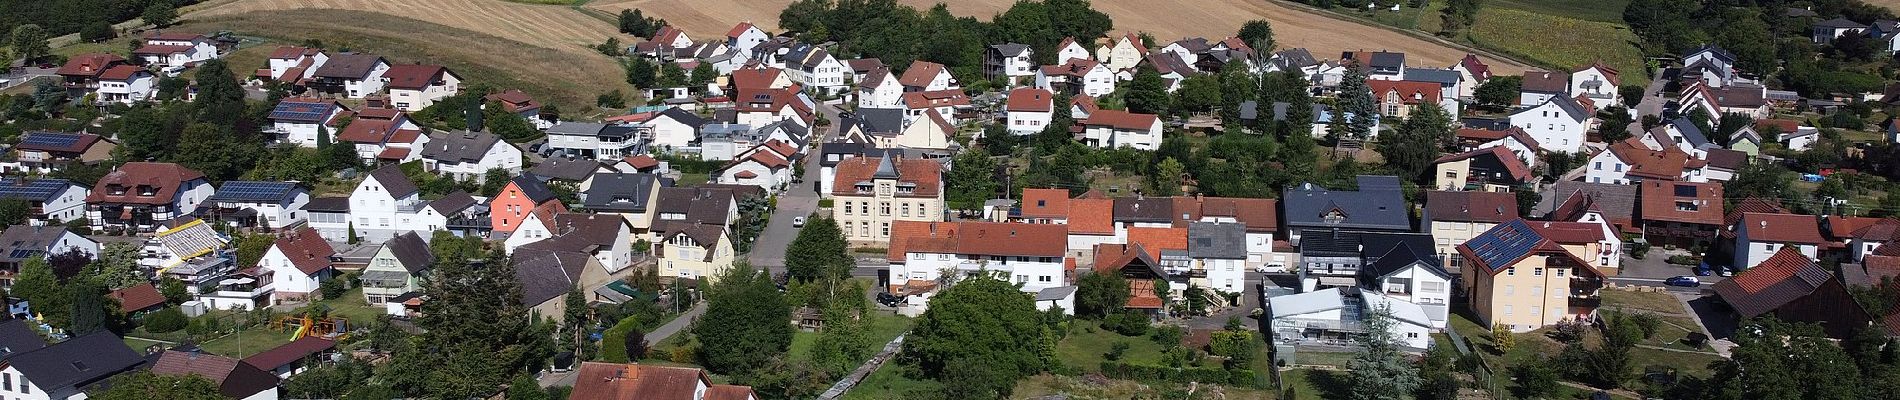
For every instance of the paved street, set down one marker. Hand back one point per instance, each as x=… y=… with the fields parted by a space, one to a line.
x=800 y=200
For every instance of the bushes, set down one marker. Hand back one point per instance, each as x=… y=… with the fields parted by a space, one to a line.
x=1646 y=322
x=613 y=342
x=1683 y=260
x=166 y=320
x=1115 y=351
x=1168 y=336
x=1128 y=323
x=333 y=288
x=1155 y=373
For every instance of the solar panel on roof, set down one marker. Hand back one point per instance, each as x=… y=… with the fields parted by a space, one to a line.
x=1685 y=191
x=253 y=191
x=50 y=139
x=31 y=190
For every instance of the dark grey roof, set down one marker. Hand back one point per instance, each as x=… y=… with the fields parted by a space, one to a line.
x=452 y=203
x=328 y=204
x=1840 y=23
x=798 y=132
x=1250 y=110
x=722 y=132
x=1378 y=204
x=1440 y=76
x=842 y=149
x=1144 y=209
x=1616 y=201
x=1690 y=132
x=621 y=192
x=1569 y=106
x=1055 y=293
x=462 y=146
x=533 y=187
x=1386 y=59
x=1217 y=240
x=27 y=241
x=697 y=203
x=1719 y=53
x=349 y=66
x=59 y=369
x=1404 y=255
x=568 y=169
x=1370 y=247
x=16 y=337
x=394 y=181
x=547 y=274
x=684 y=117
x=1495 y=124
x=33 y=189
x=1294 y=58
x=411 y=251
x=1009 y=49
x=877 y=120
x=576 y=129
x=582 y=232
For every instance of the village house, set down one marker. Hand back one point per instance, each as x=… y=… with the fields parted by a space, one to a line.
x=1120 y=53
x=81 y=72
x=946 y=103
x=745 y=36
x=630 y=195
x=548 y=275
x=1069 y=49
x=871 y=193
x=1219 y=254
x=1792 y=287
x=1680 y=214
x=673 y=128
x=1397 y=99
x=1750 y=100
x=1013 y=62
x=1681 y=134
x=125 y=84
x=1029 y=110
x=1597 y=82
x=1541 y=86
x=1558 y=123
x=1511 y=138
x=384 y=204
x=258 y=204
x=413 y=87
x=879 y=89
x=468 y=156
x=44 y=152
x=384 y=135
x=1077 y=77
x=1824 y=32
x=759 y=107
x=1525 y=275
x=606 y=238
x=49 y=201
x=293 y=64
x=594 y=141
x=302 y=120
x=458 y=213
x=188 y=243
x=599 y=380
x=233 y=378
x=888 y=129
x=694 y=250
x=298 y=262
x=1336 y=257
x=524 y=194
x=1116 y=128
x=1378 y=65
x=24 y=242
x=1030 y=255
x=351 y=75
x=1378 y=206
x=679 y=207
x=1758 y=236
x=766 y=165
x=861 y=68
x=1413 y=276
x=141 y=196
x=1629 y=161
x=1491 y=169
x=175 y=50
x=1472 y=72
x=66 y=369
x=397 y=269
x=1336 y=317
x=815 y=69
x=1453 y=218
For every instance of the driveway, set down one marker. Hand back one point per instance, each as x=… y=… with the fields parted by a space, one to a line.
x=800 y=200
x=1653 y=270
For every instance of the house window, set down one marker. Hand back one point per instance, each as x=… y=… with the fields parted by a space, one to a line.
x=1599 y=166
x=1539 y=271
x=1537 y=290
x=847 y=208
x=1431 y=287
x=1507 y=310
x=1512 y=271
x=886 y=229
x=1044 y=279
x=1510 y=290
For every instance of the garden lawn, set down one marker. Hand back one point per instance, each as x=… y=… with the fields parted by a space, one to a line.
x=881 y=327
x=1087 y=343
x=1579 y=43
x=247 y=342
x=351 y=307
x=889 y=382
x=1601 y=11
x=1658 y=302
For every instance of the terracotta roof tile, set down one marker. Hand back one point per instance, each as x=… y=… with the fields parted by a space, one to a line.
x=1471 y=206
x=415 y=76
x=607 y=381
x=926 y=174
x=1119 y=119
x=1409 y=92
x=1094 y=216
x=977 y=238
x=1512 y=164
x=163 y=178
x=1029 y=99
x=1045 y=203
x=920 y=73
x=1780 y=279
x=1701 y=203
x=89 y=65
x=1154 y=240
x=138 y=297
x=1748 y=205
x=1781 y=228
x=290 y=352
x=306 y=249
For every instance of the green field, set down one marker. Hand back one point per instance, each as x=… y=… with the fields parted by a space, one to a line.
x=1601 y=11
x=1560 y=42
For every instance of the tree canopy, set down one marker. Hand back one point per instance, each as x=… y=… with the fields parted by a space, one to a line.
x=744 y=324
x=979 y=325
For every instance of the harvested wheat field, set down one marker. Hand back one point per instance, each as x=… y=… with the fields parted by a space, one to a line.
x=1166 y=19
x=567 y=74
x=556 y=27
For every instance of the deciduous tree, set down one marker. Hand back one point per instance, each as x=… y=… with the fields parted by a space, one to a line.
x=160 y=13
x=980 y=323
x=818 y=252
x=144 y=385
x=1100 y=294
x=745 y=322
x=28 y=42
x=1258 y=34
x=973 y=181
x=1148 y=94
x=1410 y=149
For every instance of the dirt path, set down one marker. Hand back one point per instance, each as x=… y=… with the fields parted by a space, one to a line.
x=1326 y=36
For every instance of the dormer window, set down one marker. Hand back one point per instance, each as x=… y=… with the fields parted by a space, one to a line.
x=147 y=190
x=115 y=189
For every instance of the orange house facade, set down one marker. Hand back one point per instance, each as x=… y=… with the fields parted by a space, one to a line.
x=525 y=194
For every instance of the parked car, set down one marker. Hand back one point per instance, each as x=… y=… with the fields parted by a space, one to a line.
x=1683 y=281
x=1702 y=269
x=798 y=222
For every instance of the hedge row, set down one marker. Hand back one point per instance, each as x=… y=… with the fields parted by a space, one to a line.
x=1156 y=373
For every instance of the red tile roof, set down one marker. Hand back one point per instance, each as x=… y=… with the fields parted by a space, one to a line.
x=306 y=249
x=293 y=52
x=935 y=98
x=1666 y=164
x=1884 y=230
x=1154 y=240
x=1512 y=164
x=393 y=153
x=977 y=238
x=783 y=149
x=1703 y=204
x=89 y=65
x=920 y=73
x=1030 y=99
x=729 y=392
x=138 y=297
x=1045 y=203
x=121 y=72
x=372 y=125
x=1782 y=278
x=1409 y=92
x=738 y=30
x=415 y=76
x=754 y=78
x=1471 y=206
x=1119 y=119
x=926 y=174
x=1781 y=228
x=1094 y=216
x=607 y=381
x=1477 y=67
x=642 y=162
x=163 y=178
x=162 y=49
x=234 y=378
x=1608 y=73
x=514 y=100
x=1259 y=215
